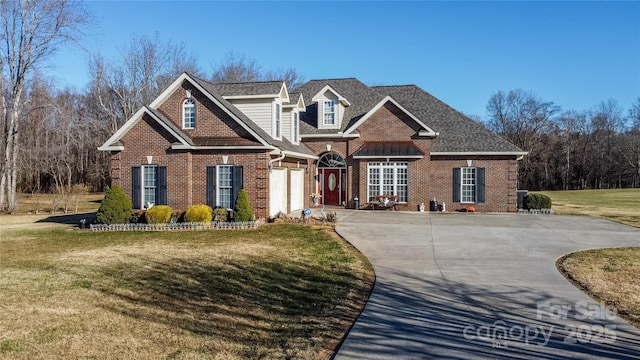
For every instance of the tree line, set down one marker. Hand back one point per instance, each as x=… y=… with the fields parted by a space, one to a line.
x=50 y=136
x=596 y=148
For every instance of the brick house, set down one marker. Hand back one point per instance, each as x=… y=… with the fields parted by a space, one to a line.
x=200 y=142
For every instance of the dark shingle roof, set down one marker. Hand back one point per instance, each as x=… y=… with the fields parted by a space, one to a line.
x=457 y=132
x=361 y=97
x=283 y=144
x=247 y=88
x=293 y=98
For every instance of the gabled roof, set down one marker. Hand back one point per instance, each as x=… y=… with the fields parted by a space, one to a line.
x=295 y=101
x=361 y=97
x=458 y=134
x=328 y=88
x=388 y=99
x=210 y=90
x=113 y=143
x=454 y=132
x=256 y=90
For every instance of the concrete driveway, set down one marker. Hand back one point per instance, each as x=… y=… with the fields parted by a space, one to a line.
x=463 y=286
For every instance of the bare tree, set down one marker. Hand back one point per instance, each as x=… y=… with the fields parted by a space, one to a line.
x=522 y=118
x=31 y=30
x=144 y=69
x=239 y=68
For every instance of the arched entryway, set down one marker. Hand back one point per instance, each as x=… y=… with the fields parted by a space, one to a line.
x=332 y=177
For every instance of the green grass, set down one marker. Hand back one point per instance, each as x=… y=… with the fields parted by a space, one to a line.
x=621 y=205
x=281 y=291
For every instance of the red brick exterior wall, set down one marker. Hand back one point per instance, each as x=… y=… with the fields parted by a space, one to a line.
x=431 y=176
x=211 y=121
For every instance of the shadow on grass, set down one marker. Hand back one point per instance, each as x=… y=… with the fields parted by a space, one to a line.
x=262 y=306
x=70 y=219
x=435 y=318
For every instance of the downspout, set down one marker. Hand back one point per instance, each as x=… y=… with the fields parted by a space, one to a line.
x=282 y=156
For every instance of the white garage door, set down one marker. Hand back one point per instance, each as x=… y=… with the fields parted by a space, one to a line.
x=297 y=190
x=277 y=191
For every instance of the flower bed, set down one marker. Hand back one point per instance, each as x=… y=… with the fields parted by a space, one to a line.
x=216 y=225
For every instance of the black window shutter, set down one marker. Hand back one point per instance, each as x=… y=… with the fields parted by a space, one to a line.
x=480 y=193
x=237 y=184
x=161 y=188
x=211 y=186
x=456 y=184
x=135 y=187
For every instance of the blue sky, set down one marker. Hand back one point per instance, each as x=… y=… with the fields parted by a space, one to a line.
x=575 y=54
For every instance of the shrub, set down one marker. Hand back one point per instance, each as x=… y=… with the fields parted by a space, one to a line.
x=220 y=214
x=159 y=214
x=138 y=217
x=242 y=211
x=115 y=208
x=178 y=216
x=537 y=201
x=199 y=213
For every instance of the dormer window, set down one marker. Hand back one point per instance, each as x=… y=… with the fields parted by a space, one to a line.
x=189 y=114
x=329 y=111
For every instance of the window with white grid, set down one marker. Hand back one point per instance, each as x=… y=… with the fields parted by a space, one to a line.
x=329 y=112
x=149 y=181
x=189 y=114
x=468 y=185
x=225 y=186
x=389 y=179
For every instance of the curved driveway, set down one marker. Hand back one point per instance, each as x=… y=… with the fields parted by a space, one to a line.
x=467 y=286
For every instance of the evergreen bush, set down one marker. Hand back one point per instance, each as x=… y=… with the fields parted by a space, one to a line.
x=242 y=211
x=115 y=208
x=220 y=214
x=199 y=213
x=537 y=201
x=159 y=214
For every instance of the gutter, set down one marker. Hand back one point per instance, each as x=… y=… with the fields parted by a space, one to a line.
x=329 y=136
x=282 y=156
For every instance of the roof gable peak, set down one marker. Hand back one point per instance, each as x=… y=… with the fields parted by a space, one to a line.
x=328 y=88
x=427 y=132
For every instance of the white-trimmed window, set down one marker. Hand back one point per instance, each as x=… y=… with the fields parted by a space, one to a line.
x=189 y=114
x=149 y=185
x=278 y=115
x=295 y=128
x=387 y=178
x=468 y=185
x=225 y=186
x=329 y=113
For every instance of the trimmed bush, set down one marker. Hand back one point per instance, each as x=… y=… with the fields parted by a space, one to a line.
x=138 y=217
x=537 y=201
x=159 y=214
x=242 y=211
x=220 y=214
x=199 y=213
x=116 y=208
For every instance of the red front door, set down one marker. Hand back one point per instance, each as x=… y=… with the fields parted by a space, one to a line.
x=331 y=187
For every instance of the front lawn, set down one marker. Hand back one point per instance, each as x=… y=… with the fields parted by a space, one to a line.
x=611 y=276
x=281 y=291
x=621 y=205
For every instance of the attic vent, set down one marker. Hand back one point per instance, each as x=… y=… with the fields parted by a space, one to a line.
x=188 y=94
